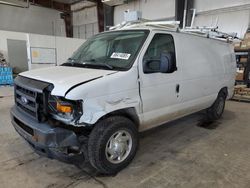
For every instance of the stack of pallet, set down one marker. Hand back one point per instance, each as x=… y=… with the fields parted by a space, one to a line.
x=241 y=93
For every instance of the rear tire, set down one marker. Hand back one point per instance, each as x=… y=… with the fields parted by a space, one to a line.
x=112 y=144
x=216 y=110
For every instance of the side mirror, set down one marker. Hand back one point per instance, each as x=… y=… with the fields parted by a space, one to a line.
x=167 y=63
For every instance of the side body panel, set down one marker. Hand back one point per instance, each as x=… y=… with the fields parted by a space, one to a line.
x=204 y=67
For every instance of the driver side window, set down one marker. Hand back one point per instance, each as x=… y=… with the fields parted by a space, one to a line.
x=160 y=44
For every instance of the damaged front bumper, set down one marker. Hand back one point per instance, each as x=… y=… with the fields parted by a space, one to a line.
x=46 y=140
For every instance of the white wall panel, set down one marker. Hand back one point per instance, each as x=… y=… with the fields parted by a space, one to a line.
x=64 y=46
x=85 y=23
x=205 y=5
x=227 y=22
x=34 y=19
x=85 y=16
x=232 y=15
x=151 y=9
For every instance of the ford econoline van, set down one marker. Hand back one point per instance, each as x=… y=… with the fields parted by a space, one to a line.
x=119 y=83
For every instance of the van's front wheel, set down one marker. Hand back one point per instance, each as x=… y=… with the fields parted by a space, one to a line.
x=112 y=144
x=217 y=109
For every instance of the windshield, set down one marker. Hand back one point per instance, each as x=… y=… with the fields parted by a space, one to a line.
x=111 y=50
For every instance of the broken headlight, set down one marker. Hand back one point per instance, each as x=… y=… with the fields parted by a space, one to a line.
x=67 y=111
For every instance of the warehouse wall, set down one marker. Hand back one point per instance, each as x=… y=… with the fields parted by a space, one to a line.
x=232 y=15
x=205 y=5
x=63 y=51
x=34 y=19
x=85 y=23
x=151 y=9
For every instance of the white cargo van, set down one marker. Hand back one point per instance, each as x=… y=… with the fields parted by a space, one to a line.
x=117 y=84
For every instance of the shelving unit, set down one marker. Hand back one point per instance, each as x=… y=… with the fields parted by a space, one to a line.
x=243 y=62
x=242 y=85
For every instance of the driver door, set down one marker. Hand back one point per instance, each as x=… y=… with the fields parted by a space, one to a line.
x=160 y=92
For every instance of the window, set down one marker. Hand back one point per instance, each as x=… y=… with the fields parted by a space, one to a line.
x=161 y=43
x=116 y=50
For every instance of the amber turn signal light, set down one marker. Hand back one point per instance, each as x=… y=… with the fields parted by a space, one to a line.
x=63 y=108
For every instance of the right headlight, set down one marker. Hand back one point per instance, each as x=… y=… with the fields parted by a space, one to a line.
x=64 y=107
x=65 y=110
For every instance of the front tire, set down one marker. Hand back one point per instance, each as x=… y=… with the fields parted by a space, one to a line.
x=112 y=144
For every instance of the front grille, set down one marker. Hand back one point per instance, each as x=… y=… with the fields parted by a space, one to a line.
x=28 y=101
x=31 y=97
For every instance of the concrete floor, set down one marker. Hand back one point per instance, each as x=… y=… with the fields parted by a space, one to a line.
x=178 y=154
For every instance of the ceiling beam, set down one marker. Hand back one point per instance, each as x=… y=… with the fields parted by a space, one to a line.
x=75 y=2
x=100 y=15
x=62 y=7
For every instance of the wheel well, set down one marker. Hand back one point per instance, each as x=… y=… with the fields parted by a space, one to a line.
x=224 y=91
x=129 y=113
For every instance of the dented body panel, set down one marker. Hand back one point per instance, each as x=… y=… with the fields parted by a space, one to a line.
x=107 y=94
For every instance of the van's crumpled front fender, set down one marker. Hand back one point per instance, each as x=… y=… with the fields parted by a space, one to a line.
x=94 y=109
x=107 y=94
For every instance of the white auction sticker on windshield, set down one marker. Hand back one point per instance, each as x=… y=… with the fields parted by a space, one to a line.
x=124 y=56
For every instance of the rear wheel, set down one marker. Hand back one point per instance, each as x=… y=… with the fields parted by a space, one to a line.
x=217 y=109
x=112 y=144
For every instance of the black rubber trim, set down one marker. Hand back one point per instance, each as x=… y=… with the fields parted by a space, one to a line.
x=81 y=84
x=31 y=84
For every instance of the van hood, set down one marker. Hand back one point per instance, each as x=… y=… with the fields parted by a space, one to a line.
x=64 y=78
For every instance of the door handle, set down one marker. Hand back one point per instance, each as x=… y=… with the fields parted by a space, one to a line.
x=177 y=88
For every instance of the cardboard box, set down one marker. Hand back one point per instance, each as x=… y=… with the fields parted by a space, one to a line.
x=244 y=45
x=243 y=59
x=247 y=36
x=237 y=45
x=248 y=43
x=239 y=76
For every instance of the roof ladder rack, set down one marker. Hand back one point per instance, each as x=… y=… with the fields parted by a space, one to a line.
x=173 y=25
x=211 y=32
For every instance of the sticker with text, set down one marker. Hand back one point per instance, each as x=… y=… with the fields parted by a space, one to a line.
x=124 y=56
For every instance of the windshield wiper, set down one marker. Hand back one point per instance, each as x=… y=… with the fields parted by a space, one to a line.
x=86 y=63
x=70 y=62
x=98 y=64
x=76 y=64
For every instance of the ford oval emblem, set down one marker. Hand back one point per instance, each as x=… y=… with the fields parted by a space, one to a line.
x=24 y=100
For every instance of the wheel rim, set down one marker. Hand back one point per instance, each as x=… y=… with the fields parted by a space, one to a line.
x=118 y=146
x=220 y=106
